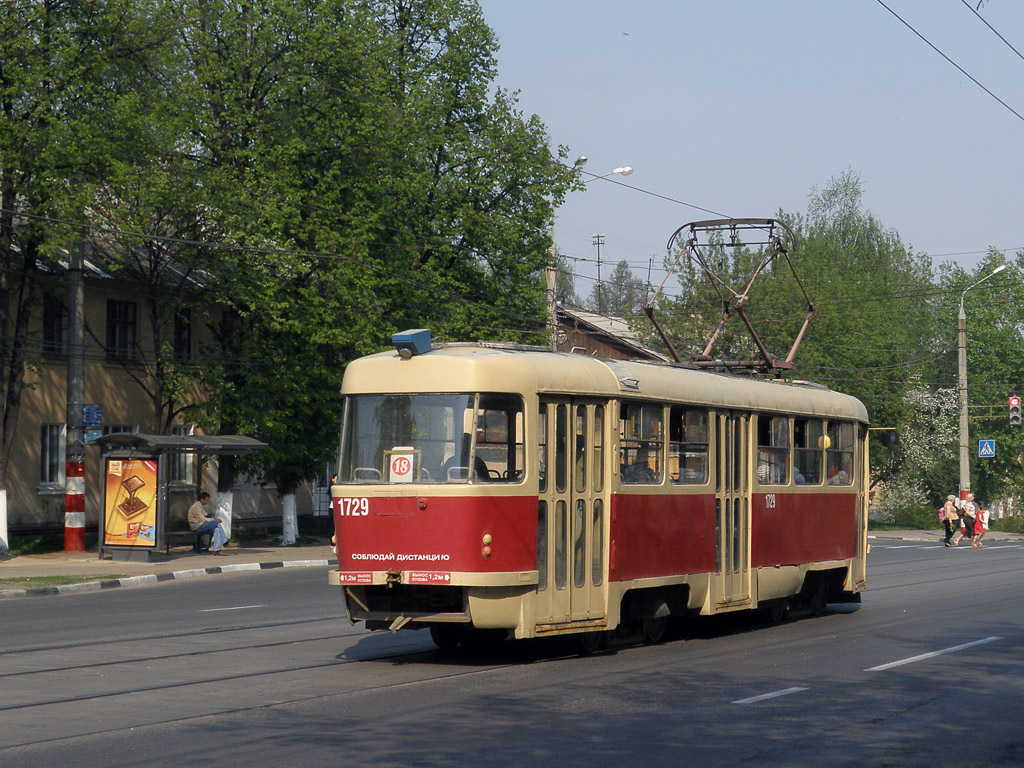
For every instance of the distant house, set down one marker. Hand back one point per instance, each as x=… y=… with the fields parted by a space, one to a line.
x=119 y=346
x=594 y=335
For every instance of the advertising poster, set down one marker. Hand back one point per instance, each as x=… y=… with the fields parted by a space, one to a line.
x=130 y=503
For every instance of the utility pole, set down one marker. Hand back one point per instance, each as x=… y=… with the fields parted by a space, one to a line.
x=74 y=467
x=961 y=349
x=599 y=241
x=551 y=277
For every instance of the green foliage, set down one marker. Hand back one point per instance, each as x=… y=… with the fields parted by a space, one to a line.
x=622 y=295
x=1012 y=524
x=917 y=517
x=329 y=172
x=994 y=320
x=876 y=311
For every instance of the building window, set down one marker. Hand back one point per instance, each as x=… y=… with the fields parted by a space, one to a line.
x=115 y=429
x=183 y=335
x=55 y=326
x=180 y=465
x=120 y=330
x=52 y=438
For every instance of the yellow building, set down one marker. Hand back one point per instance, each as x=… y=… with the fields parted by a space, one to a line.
x=119 y=357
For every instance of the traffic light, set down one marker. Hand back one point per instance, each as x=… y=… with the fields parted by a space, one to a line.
x=1014 y=411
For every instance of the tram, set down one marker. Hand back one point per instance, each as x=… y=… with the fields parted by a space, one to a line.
x=494 y=488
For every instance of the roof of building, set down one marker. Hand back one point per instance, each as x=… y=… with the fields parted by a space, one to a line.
x=615 y=327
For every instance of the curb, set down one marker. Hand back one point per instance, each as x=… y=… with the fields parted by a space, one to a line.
x=135 y=581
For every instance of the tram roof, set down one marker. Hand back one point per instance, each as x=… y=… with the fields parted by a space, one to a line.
x=497 y=368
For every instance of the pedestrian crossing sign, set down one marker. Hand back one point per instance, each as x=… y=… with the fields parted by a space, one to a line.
x=986 y=449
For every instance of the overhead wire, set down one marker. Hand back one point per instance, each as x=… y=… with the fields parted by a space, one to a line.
x=994 y=30
x=960 y=69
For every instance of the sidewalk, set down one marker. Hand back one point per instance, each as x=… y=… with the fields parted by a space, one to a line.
x=181 y=563
x=937 y=536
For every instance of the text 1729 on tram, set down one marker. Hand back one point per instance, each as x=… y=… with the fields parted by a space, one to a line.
x=518 y=490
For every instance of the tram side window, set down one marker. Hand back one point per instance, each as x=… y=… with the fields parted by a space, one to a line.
x=772 y=449
x=542 y=448
x=688 y=445
x=840 y=453
x=641 y=443
x=807 y=451
x=580 y=449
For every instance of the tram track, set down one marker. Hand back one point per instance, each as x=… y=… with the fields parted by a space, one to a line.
x=402 y=656
x=170 y=656
x=167 y=636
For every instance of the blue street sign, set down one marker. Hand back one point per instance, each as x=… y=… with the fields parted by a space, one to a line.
x=986 y=449
x=92 y=415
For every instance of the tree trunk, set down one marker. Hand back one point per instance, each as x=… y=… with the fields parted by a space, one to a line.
x=225 y=496
x=289 y=521
x=4 y=545
x=222 y=510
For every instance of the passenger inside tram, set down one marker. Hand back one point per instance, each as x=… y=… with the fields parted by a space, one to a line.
x=456 y=466
x=638 y=471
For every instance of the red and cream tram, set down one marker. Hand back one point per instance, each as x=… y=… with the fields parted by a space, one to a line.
x=494 y=487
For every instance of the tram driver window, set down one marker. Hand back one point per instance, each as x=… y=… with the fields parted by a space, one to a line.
x=499 y=439
x=772 y=449
x=450 y=437
x=688 y=445
x=808 y=445
x=641 y=443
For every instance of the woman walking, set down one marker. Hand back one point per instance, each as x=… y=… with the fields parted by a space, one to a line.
x=951 y=520
x=967 y=517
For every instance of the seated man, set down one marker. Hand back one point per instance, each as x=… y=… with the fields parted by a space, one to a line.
x=201 y=525
x=639 y=472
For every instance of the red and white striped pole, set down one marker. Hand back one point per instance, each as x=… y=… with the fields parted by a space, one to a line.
x=74 y=506
x=74 y=465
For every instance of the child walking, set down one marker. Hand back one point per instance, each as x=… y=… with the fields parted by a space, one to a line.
x=980 y=527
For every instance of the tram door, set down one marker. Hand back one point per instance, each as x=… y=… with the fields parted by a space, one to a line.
x=732 y=510
x=571 y=518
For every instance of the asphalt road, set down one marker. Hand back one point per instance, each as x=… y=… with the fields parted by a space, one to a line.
x=264 y=670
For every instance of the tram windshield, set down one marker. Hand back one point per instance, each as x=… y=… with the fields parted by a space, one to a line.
x=435 y=438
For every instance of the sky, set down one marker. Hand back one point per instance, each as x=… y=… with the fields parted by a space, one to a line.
x=744 y=108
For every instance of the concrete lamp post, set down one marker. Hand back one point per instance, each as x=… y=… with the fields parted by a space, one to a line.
x=965 y=464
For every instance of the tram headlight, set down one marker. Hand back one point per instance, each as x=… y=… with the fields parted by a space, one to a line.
x=486 y=551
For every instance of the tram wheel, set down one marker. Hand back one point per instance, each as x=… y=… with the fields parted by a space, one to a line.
x=817 y=599
x=778 y=612
x=447 y=636
x=654 y=630
x=591 y=642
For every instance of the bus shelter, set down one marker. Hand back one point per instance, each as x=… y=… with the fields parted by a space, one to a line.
x=135 y=478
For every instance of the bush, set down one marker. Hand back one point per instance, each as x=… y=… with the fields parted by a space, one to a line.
x=916 y=518
x=43 y=543
x=1013 y=524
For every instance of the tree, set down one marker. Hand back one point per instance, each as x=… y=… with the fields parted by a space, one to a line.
x=66 y=81
x=372 y=179
x=875 y=333
x=622 y=295
x=995 y=321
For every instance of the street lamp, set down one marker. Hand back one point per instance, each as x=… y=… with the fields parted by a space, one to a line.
x=965 y=467
x=624 y=170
